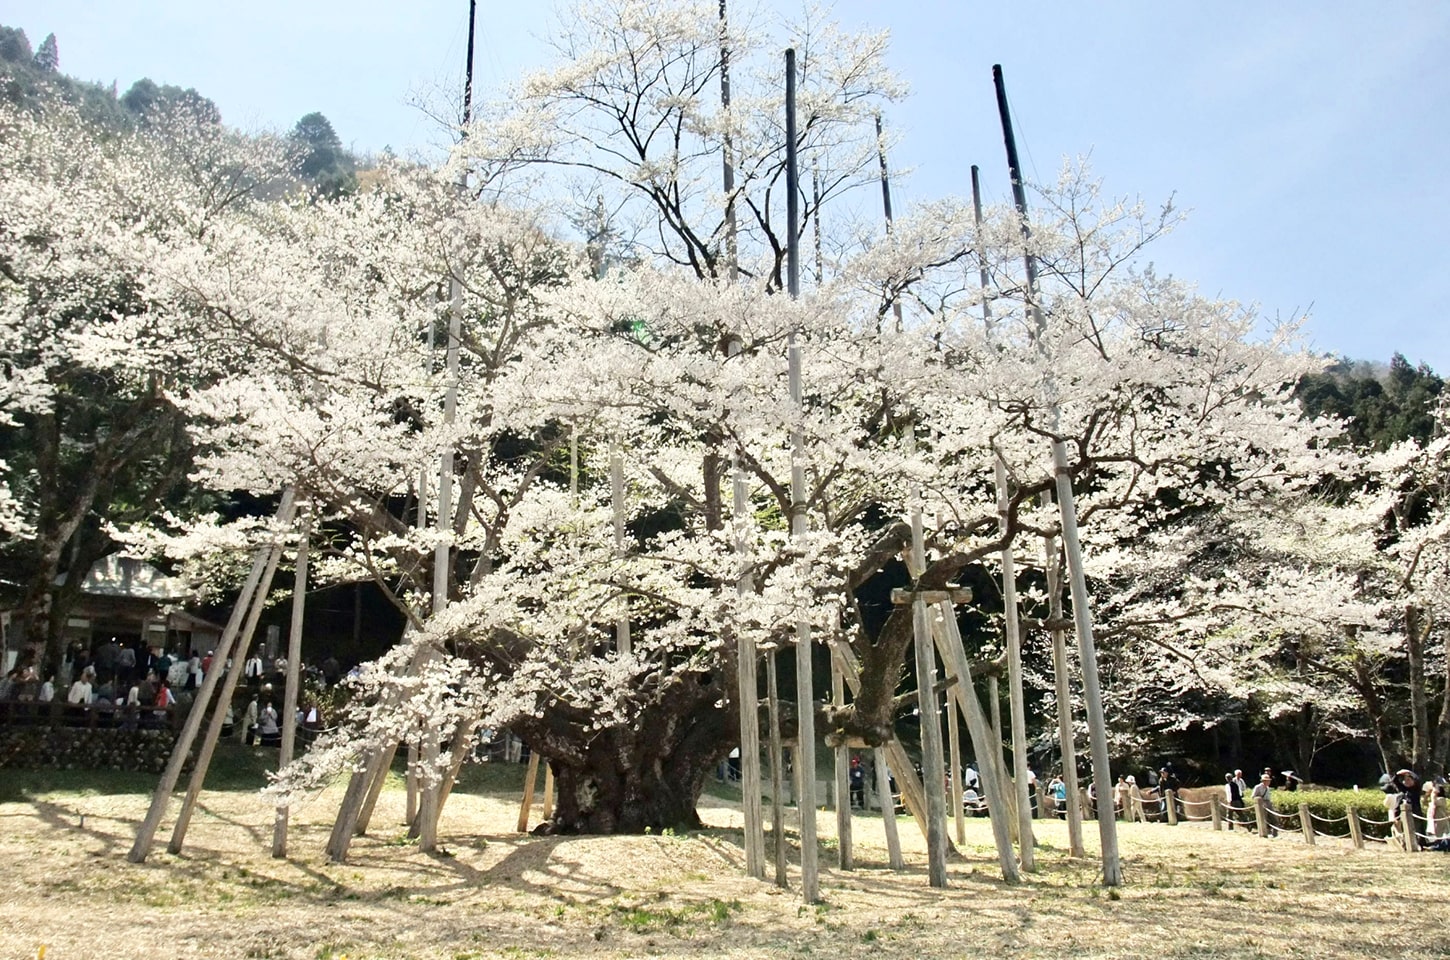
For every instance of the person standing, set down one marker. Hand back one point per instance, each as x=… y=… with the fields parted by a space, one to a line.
x=1262 y=795
x=248 y=732
x=252 y=670
x=125 y=666
x=80 y=691
x=267 y=730
x=1233 y=789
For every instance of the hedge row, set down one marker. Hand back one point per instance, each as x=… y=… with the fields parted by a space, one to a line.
x=1334 y=805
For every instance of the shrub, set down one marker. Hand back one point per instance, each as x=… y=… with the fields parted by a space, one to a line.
x=1333 y=805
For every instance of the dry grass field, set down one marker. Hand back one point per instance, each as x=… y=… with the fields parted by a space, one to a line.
x=1191 y=892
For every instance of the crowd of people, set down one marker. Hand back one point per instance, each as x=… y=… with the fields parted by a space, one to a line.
x=130 y=684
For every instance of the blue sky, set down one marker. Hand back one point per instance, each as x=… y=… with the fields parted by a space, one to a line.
x=1309 y=140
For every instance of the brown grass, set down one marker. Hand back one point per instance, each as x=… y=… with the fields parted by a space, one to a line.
x=1191 y=892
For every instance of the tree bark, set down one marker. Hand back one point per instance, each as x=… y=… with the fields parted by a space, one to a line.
x=644 y=775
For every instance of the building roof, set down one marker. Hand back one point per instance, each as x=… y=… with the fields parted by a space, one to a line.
x=127 y=577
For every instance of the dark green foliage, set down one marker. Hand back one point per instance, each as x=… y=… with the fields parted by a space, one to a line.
x=1382 y=407
x=15 y=46
x=146 y=100
x=322 y=161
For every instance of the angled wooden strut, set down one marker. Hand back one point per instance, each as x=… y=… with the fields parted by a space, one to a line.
x=146 y=833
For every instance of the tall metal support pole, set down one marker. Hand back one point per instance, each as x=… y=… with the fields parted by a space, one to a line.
x=804 y=680
x=289 y=696
x=886 y=200
x=1025 y=838
x=428 y=803
x=732 y=251
x=1081 y=612
x=747 y=658
x=146 y=833
x=1059 y=641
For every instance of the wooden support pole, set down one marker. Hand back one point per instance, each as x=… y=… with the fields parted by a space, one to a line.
x=913 y=795
x=994 y=784
x=375 y=776
x=931 y=745
x=1170 y=807
x=1066 y=743
x=617 y=506
x=1356 y=830
x=531 y=779
x=411 y=779
x=1306 y=824
x=843 y=777
x=1018 y=713
x=146 y=833
x=1215 y=810
x=888 y=810
x=805 y=706
x=547 y=810
x=294 y=673
x=462 y=744
x=747 y=658
x=901 y=596
x=777 y=769
x=342 y=827
x=954 y=741
x=365 y=786
x=218 y=717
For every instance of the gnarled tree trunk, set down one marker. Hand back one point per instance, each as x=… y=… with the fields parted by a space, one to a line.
x=644 y=775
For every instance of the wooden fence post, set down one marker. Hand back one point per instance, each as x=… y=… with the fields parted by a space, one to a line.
x=1306 y=824
x=1261 y=806
x=1407 y=821
x=1170 y=798
x=1356 y=832
x=1215 y=811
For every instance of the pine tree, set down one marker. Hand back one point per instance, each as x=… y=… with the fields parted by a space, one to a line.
x=47 y=58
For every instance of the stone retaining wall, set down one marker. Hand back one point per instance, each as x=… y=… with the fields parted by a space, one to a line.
x=71 y=748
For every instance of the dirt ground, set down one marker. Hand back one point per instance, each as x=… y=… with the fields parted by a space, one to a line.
x=69 y=892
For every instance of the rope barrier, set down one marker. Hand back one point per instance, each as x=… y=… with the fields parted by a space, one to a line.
x=1315 y=816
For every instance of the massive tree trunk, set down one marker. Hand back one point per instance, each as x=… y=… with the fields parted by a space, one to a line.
x=644 y=775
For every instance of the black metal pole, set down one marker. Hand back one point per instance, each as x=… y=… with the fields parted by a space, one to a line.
x=468 y=68
x=792 y=183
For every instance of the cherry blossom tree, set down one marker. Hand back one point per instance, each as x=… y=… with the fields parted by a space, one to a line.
x=91 y=348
